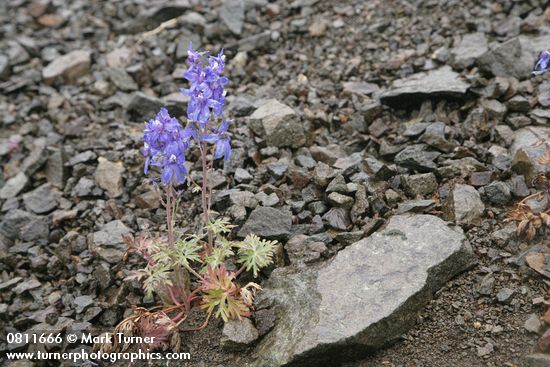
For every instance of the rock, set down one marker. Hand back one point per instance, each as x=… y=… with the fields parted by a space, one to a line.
x=494 y=109
x=360 y=88
x=327 y=154
x=505 y=295
x=107 y=243
x=399 y=269
x=509 y=58
x=268 y=223
x=466 y=205
x=148 y=200
x=416 y=157
x=143 y=107
x=14 y=186
x=470 y=48
x=41 y=200
x=108 y=176
x=119 y=58
x=485 y=350
x=242 y=175
x=56 y=173
x=434 y=136
x=238 y=334
x=13 y=222
x=526 y=150
x=83 y=157
x=243 y=198
x=36 y=158
x=538 y=360
x=5 y=69
x=27 y=285
x=497 y=193
x=232 y=14
x=415 y=206
x=338 y=184
x=82 y=303
x=339 y=200
x=486 y=285
x=121 y=79
x=420 y=184
x=84 y=187
x=481 y=178
x=533 y=324
x=337 y=218
x=442 y=82
x=302 y=249
x=68 y=67
x=518 y=104
x=278 y=124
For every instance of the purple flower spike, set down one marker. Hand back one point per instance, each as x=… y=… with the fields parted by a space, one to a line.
x=541 y=66
x=164 y=146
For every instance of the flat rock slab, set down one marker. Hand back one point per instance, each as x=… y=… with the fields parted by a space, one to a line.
x=442 y=82
x=367 y=296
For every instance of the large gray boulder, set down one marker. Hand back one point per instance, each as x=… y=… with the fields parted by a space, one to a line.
x=278 y=124
x=442 y=82
x=367 y=296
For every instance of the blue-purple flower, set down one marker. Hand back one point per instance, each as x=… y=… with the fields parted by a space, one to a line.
x=541 y=66
x=222 y=139
x=206 y=87
x=164 y=146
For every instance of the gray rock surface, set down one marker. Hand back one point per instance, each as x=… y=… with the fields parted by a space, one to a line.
x=41 y=200
x=268 y=223
x=238 y=334
x=470 y=48
x=232 y=14
x=440 y=82
x=107 y=243
x=278 y=124
x=14 y=186
x=526 y=150
x=365 y=297
x=108 y=176
x=465 y=205
x=68 y=67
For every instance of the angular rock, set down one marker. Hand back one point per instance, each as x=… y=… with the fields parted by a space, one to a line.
x=509 y=58
x=337 y=218
x=36 y=158
x=108 y=176
x=232 y=14
x=377 y=284
x=442 y=82
x=143 y=107
x=268 y=223
x=420 y=184
x=497 y=193
x=527 y=149
x=41 y=200
x=465 y=205
x=14 y=186
x=107 y=243
x=56 y=173
x=19 y=224
x=416 y=157
x=278 y=124
x=68 y=67
x=538 y=360
x=238 y=334
x=471 y=47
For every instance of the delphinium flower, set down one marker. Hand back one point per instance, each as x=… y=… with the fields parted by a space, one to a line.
x=206 y=88
x=222 y=140
x=165 y=143
x=542 y=63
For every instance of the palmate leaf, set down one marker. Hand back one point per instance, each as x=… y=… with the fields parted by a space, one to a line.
x=220 y=293
x=219 y=226
x=255 y=253
x=219 y=253
x=186 y=251
x=157 y=275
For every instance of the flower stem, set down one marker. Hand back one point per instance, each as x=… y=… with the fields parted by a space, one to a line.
x=169 y=213
x=206 y=196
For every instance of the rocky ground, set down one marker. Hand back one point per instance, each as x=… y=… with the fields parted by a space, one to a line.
x=360 y=127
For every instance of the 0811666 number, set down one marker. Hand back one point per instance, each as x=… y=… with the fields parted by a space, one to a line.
x=44 y=338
